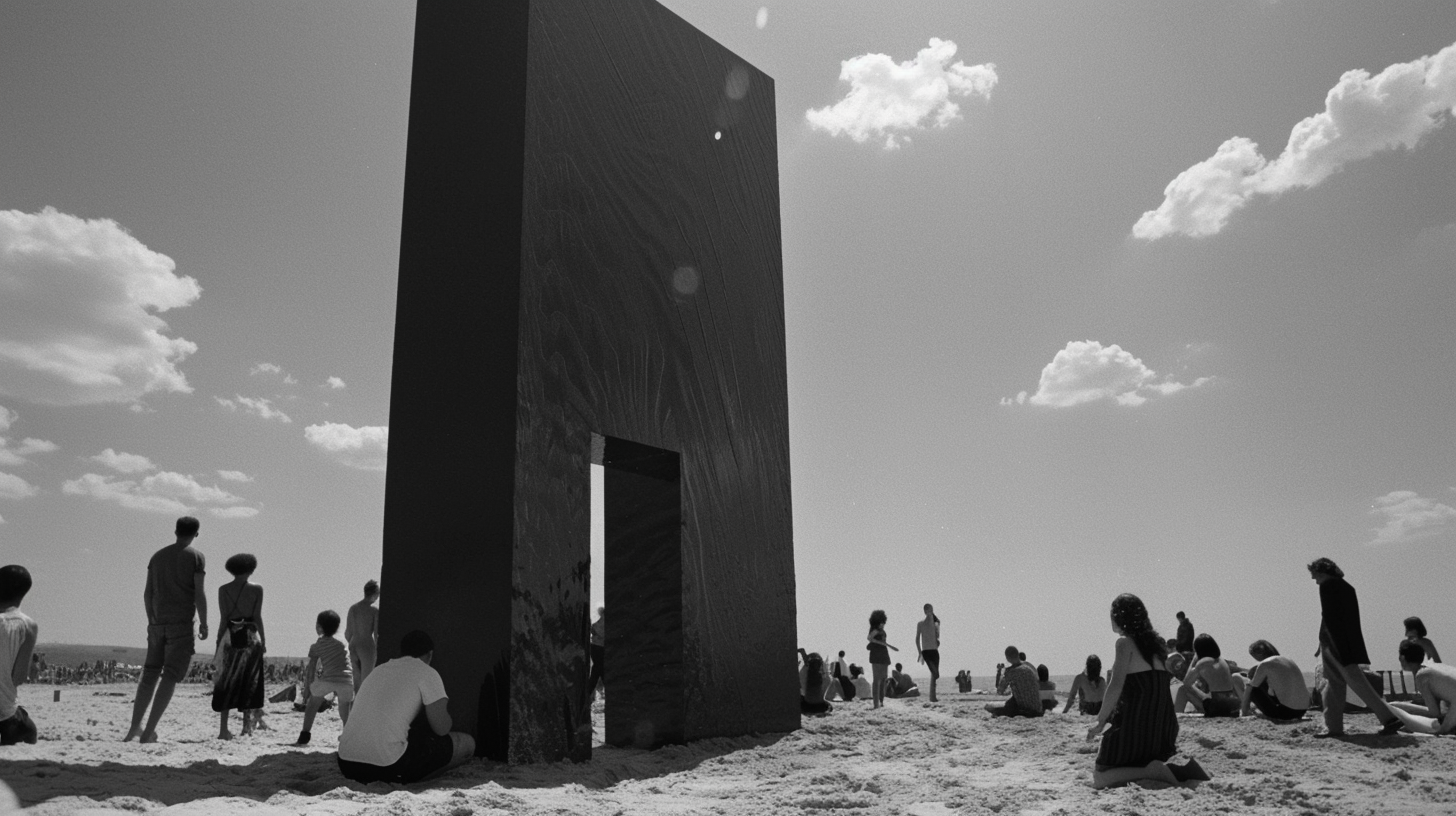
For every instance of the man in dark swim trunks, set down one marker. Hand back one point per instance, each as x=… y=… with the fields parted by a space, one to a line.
x=1276 y=685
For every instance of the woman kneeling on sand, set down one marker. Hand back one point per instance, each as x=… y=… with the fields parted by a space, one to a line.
x=1138 y=706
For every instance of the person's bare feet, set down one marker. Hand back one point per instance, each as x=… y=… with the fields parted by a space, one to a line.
x=226 y=734
x=132 y=734
x=148 y=737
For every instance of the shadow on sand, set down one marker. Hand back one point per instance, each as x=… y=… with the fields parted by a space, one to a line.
x=313 y=773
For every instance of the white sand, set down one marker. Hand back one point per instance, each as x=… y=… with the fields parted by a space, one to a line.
x=911 y=757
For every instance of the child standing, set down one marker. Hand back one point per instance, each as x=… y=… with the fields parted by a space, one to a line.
x=328 y=671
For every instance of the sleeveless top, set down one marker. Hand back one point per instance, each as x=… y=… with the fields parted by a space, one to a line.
x=879 y=653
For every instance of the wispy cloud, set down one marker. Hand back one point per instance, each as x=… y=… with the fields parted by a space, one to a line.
x=1086 y=371
x=234 y=476
x=272 y=369
x=1408 y=516
x=1363 y=115
x=366 y=447
x=124 y=462
x=888 y=100
x=163 y=492
x=334 y=383
x=258 y=406
x=13 y=455
x=78 y=320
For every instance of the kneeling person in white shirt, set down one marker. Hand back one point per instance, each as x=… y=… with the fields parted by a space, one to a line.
x=382 y=742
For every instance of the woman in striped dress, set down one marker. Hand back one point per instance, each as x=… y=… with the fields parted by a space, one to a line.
x=1138 y=707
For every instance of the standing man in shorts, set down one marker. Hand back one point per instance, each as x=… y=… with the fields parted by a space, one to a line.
x=361 y=632
x=927 y=643
x=175 y=578
x=399 y=728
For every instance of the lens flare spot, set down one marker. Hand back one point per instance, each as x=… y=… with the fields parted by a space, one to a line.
x=736 y=85
x=685 y=280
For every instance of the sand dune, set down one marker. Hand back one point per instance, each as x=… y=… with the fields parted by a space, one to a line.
x=911 y=757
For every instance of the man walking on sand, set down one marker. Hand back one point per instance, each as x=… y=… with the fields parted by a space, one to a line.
x=1342 y=647
x=175 y=577
x=361 y=632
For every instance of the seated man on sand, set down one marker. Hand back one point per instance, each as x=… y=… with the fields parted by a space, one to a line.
x=900 y=684
x=1276 y=686
x=1436 y=684
x=862 y=689
x=1020 y=678
x=399 y=728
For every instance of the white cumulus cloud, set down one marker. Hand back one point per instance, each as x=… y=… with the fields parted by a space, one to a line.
x=366 y=447
x=124 y=462
x=258 y=406
x=14 y=487
x=1407 y=516
x=888 y=100
x=78 y=318
x=1086 y=371
x=1363 y=115
x=335 y=383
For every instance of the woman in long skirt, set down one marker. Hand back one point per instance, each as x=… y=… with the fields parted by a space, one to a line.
x=239 y=681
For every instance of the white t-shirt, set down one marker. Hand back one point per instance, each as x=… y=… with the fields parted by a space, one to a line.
x=14 y=626
x=388 y=702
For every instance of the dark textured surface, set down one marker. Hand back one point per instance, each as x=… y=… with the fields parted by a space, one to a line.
x=641 y=300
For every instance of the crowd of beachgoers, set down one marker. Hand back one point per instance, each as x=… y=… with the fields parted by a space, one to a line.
x=396 y=727
x=1154 y=679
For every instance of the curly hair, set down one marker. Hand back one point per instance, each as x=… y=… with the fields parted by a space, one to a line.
x=1326 y=566
x=877 y=618
x=1131 y=616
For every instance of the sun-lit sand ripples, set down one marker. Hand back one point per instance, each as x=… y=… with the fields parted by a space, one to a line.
x=908 y=758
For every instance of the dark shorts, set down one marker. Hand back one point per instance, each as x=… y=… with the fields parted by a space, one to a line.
x=1090 y=708
x=1221 y=705
x=169 y=650
x=425 y=753
x=932 y=659
x=17 y=729
x=1271 y=707
x=1011 y=709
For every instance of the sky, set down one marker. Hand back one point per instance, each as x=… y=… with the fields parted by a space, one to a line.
x=1080 y=300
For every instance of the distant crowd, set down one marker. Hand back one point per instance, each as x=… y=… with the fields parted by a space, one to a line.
x=1153 y=679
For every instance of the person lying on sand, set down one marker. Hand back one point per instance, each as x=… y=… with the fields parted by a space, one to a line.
x=1276 y=687
x=1436 y=684
x=1210 y=686
x=900 y=684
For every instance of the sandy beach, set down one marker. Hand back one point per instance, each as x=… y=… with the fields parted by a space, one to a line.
x=912 y=757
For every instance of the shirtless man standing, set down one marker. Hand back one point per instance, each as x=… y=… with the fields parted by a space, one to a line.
x=1436 y=684
x=1276 y=685
x=927 y=643
x=362 y=633
x=174 y=590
